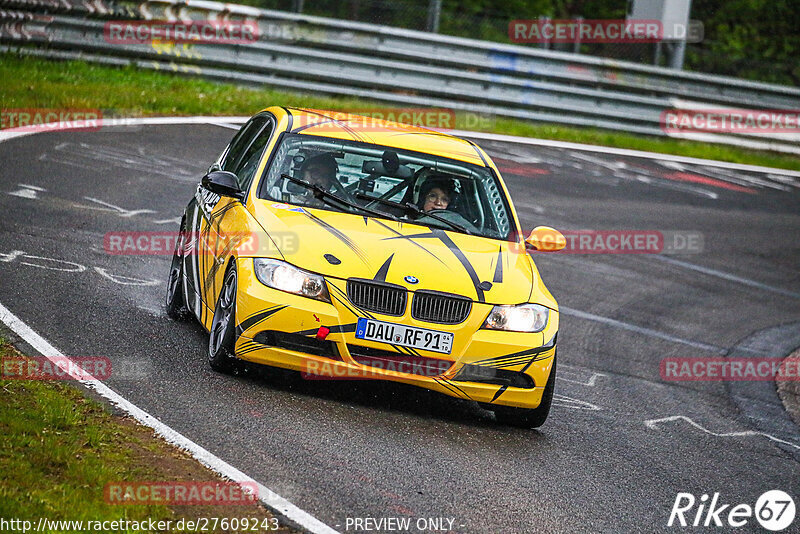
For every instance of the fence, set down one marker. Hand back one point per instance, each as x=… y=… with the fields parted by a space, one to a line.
x=403 y=67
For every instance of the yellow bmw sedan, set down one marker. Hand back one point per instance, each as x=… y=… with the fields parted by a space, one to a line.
x=348 y=247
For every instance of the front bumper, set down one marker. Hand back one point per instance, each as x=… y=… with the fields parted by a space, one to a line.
x=488 y=366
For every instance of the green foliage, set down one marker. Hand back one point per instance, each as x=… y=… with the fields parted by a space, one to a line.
x=753 y=39
x=38 y=83
x=57 y=452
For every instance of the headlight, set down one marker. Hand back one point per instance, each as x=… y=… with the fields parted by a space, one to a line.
x=286 y=277
x=522 y=318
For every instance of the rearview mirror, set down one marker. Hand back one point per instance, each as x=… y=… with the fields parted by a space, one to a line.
x=223 y=183
x=546 y=239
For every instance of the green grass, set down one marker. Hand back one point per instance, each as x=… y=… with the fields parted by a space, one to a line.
x=58 y=450
x=37 y=83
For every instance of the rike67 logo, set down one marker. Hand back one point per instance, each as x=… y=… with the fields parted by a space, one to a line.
x=774 y=510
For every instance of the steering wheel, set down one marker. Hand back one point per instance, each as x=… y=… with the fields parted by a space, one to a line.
x=453 y=217
x=337 y=186
x=440 y=212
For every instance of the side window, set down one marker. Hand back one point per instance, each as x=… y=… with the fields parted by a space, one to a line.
x=246 y=168
x=240 y=143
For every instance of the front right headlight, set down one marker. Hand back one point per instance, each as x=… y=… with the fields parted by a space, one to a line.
x=520 y=318
x=284 y=276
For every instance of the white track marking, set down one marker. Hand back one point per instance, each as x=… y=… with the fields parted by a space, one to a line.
x=72 y=267
x=655 y=333
x=116 y=209
x=641 y=330
x=11 y=256
x=589 y=383
x=228 y=122
x=569 y=402
x=265 y=495
x=11 y=133
x=125 y=280
x=654 y=423
x=174 y=220
x=619 y=152
x=27 y=191
x=726 y=276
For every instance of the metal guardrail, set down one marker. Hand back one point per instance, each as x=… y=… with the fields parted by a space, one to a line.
x=402 y=66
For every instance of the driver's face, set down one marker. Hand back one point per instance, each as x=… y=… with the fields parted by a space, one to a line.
x=318 y=175
x=436 y=199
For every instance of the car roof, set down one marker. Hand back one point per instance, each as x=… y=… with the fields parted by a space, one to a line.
x=341 y=125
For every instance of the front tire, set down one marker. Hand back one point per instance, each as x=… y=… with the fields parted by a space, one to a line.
x=175 y=301
x=222 y=337
x=526 y=417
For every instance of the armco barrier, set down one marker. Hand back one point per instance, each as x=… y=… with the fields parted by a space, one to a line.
x=400 y=66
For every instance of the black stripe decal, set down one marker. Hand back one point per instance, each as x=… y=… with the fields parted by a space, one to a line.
x=458 y=388
x=498 y=269
x=257 y=318
x=447 y=386
x=398 y=235
x=499 y=392
x=339 y=235
x=464 y=261
x=355 y=134
x=478 y=152
x=411 y=236
x=307 y=126
x=444 y=238
x=380 y=276
x=528 y=352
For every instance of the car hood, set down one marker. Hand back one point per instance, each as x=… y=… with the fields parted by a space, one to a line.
x=344 y=245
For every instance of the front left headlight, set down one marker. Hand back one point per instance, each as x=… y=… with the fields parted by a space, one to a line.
x=521 y=318
x=286 y=277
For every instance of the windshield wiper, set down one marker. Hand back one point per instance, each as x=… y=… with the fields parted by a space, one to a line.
x=326 y=196
x=413 y=208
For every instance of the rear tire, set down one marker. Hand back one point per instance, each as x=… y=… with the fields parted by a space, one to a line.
x=222 y=337
x=526 y=417
x=175 y=301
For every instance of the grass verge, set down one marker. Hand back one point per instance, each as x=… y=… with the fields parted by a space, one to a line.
x=59 y=450
x=38 y=83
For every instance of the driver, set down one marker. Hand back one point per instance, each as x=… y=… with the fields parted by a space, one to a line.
x=436 y=193
x=320 y=170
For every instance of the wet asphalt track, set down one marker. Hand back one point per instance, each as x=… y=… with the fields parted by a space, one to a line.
x=359 y=449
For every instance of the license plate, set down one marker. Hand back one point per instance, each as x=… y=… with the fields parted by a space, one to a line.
x=404 y=336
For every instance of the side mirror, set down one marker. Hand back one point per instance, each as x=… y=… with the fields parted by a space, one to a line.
x=223 y=183
x=546 y=239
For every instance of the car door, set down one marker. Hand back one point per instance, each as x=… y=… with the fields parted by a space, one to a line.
x=206 y=209
x=228 y=223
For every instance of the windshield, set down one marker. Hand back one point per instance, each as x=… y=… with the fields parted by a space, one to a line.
x=404 y=185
